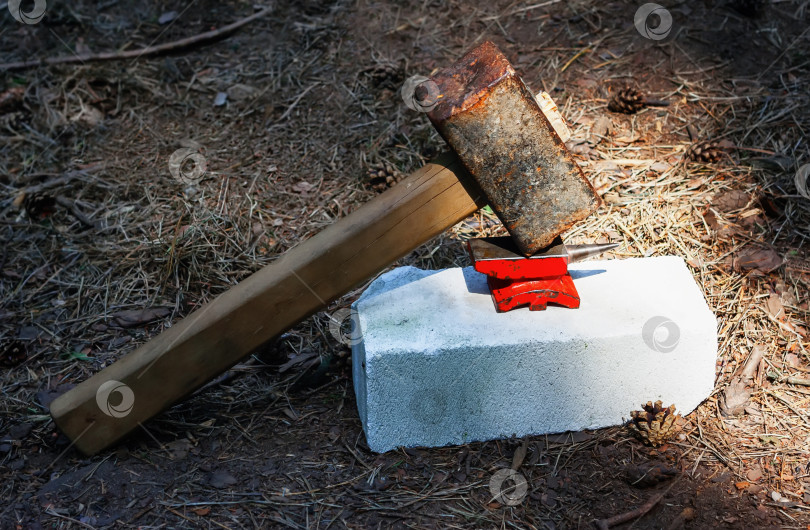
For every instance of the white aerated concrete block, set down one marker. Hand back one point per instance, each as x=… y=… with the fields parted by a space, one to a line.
x=437 y=365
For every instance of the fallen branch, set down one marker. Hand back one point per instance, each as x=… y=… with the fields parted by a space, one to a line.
x=231 y=374
x=792 y=380
x=71 y=207
x=65 y=178
x=605 y=524
x=150 y=50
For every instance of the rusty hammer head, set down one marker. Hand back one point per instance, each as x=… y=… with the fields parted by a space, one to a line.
x=494 y=124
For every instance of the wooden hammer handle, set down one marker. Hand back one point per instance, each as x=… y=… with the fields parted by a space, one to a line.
x=298 y=284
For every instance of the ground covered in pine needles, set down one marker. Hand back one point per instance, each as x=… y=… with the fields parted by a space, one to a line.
x=298 y=118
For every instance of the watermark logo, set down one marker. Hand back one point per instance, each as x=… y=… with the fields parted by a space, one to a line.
x=420 y=93
x=32 y=17
x=802 y=180
x=661 y=334
x=115 y=399
x=508 y=487
x=187 y=165
x=653 y=21
x=344 y=327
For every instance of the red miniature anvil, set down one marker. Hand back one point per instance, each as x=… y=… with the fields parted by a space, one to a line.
x=516 y=280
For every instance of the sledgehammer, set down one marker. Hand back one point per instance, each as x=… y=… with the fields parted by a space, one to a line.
x=507 y=155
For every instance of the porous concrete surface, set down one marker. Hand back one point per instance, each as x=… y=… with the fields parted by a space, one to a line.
x=437 y=365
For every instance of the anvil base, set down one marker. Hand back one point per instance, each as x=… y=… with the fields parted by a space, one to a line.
x=537 y=293
x=437 y=365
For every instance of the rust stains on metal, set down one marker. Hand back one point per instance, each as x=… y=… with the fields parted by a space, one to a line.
x=467 y=83
x=494 y=124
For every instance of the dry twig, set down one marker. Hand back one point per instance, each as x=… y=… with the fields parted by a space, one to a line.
x=605 y=524
x=201 y=38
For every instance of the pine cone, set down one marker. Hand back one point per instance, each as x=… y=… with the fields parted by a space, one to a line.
x=13 y=112
x=13 y=121
x=13 y=354
x=12 y=98
x=39 y=205
x=627 y=101
x=707 y=152
x=383 y=176
x=385 y=75
x=655 y=425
